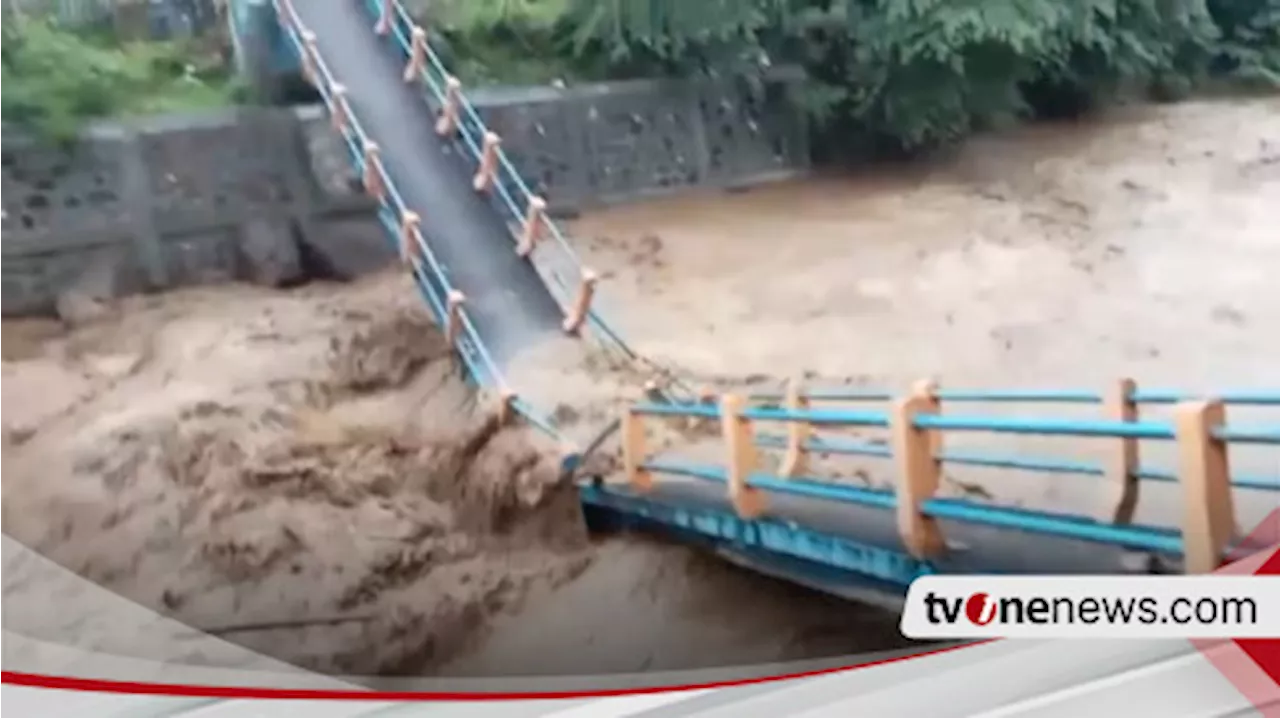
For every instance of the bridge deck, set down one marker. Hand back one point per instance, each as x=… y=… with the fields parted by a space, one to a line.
x=506 y=299
x=815 y=540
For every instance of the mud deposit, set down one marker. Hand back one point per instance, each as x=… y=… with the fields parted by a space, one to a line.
x=305 y=474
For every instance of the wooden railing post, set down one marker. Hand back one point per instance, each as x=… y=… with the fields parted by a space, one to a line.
x=453 y=316
x=417 y=54
x=633 y=451
x=341 y=108
x=796 y=461
x=928 y=389
x=488 y=168
x=310 y=71
x=385 y=13
x=447 y=124
x=1121 y=465
x=506 y=408
x=1208 y=523
x=531 y=232
x=918 y=476
x=373 y=170
x=740 y=444
x=410 y=223
x=581 y=302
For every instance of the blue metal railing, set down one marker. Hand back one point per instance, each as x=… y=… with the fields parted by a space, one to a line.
x=1153 y=538
x=1033 y=396
x=429 y=273
x=512 y=192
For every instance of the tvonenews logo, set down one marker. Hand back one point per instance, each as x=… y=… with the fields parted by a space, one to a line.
x=1088 y=606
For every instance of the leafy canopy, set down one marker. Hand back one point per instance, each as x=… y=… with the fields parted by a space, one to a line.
x=58 y=79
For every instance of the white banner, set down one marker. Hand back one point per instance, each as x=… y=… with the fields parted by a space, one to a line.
x=1093 y=607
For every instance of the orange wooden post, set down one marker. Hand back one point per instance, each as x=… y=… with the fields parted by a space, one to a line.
x=488 y=168
x=1208 y=522
x=918 y=476
x=1121 y=465
x=740 y=444
x=310 y=71
x=796 y=461
x=447 y=124
x=341 y=108
x=409 y=236
x=373 y=170
x=581 y=303
x=417 y=54
x=453 y=316
x=928 y=389
x=633 y=451
x=531 y=232
x=506 y=400
x=385 y=13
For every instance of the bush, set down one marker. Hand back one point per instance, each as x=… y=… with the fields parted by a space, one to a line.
x=58 y=79
x=903 y=75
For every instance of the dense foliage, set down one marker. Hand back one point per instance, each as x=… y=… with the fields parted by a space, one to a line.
x=896 y=74
x=884 y=75
x=57 y=79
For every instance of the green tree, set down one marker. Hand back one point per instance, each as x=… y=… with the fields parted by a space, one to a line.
x=908 y=74
x=57 y=79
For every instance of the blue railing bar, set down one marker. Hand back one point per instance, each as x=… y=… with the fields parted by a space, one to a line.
x=797 y=487
x=1055 y=466
x=1064 y=526
x=846 y=447
x=1054 y=525
x=1047 y=427
x=1243 y=398
x=1020 y=395
x=818 y=416
x=1248 y=434
x=1256 y=482
x=706 y=411
x=827 y=395
x=533 y=417
x=842 y=447
x=1030 y=396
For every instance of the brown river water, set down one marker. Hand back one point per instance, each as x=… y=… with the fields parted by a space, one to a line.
x=235 y=456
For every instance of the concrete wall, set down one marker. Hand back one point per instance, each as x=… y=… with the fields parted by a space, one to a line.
x=620 y=141
x=268 y=195
x=180 y=200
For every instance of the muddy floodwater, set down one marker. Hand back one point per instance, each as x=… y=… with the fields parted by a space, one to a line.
x=237 y=457
x=1145 y=244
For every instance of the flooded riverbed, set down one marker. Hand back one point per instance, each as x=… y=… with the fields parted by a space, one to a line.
x=1143 y=245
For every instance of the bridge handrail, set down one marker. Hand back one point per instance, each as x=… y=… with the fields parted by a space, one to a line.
x=916 y=426
x=392 y=212
x=1152 y=538
x=970 y=457
x=1033 y=396
x=563 y=289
